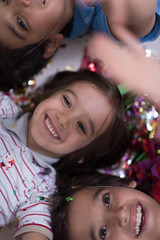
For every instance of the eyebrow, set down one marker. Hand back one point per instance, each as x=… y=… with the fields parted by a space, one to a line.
x=97 y=192
x=72 y=92
x=13 y=30
x=90 y=121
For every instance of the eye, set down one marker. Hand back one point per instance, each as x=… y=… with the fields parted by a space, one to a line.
x=81 y=127
x=102 y=232
x=4 y=1
x=21 y=24
x=106 y=199
x=66 y=102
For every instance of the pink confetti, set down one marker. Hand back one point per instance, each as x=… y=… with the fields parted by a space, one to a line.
x=10 y=163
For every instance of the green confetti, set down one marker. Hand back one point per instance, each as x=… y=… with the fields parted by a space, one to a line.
x=41 y=198
x=68 y=199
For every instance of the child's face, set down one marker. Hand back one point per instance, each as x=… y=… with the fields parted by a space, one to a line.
x=69 y=120
x=113 y=213
x=25 y=22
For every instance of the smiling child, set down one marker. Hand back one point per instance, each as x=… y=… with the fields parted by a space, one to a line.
x=99 y=206
x=74 y=123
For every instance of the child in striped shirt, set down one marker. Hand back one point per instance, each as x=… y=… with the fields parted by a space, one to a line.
x=75 y=120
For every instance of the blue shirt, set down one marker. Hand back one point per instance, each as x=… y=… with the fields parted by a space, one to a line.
x=92 y=18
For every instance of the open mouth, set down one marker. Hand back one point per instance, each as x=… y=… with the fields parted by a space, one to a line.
x=50 y=127
x=140 y=219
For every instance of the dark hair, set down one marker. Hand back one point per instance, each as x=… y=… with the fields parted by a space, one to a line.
x=16 y=66
x=109 y=147
x=80 y=181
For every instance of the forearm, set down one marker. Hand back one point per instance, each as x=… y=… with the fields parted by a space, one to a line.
x=33 y=236
x=138 y=16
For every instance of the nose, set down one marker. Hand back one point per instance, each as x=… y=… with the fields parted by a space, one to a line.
x=119 y=217
x=62 y=120
x=25 y=3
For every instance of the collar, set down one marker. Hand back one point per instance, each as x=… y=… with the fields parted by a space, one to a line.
x=20 y=128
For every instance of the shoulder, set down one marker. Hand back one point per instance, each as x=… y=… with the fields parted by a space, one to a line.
x=8 y=109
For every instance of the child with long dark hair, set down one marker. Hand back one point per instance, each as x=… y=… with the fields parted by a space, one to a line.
x=78 y=121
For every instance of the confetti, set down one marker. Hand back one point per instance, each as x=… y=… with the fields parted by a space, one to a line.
x=41 y=198
x=10 y=164
x=68 y=199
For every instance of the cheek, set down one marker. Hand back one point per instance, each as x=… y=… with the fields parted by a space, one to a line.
x=76 y=142
x=42 y=107
x=119 y=234
x=103 y=122
x=45 y=22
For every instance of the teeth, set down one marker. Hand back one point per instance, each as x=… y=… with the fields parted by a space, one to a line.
x=50 y=128
x=138 y=219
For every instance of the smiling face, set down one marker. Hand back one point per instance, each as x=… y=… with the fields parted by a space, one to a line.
x=113 y=213
x=29 y=21
x=69 y=120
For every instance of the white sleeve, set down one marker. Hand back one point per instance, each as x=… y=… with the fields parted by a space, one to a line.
x=8 y=109
x=35 y=212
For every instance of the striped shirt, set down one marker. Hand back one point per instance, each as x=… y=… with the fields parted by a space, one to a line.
x=27 y=180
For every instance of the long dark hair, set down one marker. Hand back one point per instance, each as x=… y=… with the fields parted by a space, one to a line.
x=16 y=66
x=109 y=147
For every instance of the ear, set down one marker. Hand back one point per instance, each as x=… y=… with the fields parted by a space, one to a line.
x=52 y=44
x=132 y=184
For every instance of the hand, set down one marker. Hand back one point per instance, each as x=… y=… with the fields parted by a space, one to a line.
x=128 y=64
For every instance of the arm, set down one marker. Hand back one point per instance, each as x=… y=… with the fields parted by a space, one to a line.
x=128 y=65
x=33 y=236
x=137 y=15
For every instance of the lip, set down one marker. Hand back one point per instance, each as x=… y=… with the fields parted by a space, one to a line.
x=53 y=126
x=143 y=224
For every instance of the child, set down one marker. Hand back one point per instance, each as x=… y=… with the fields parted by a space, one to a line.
x=77 y=122
x=36 y=31
x=104 y=207
x=34 y=23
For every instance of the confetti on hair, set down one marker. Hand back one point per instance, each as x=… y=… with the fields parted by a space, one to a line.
x=68 y=199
